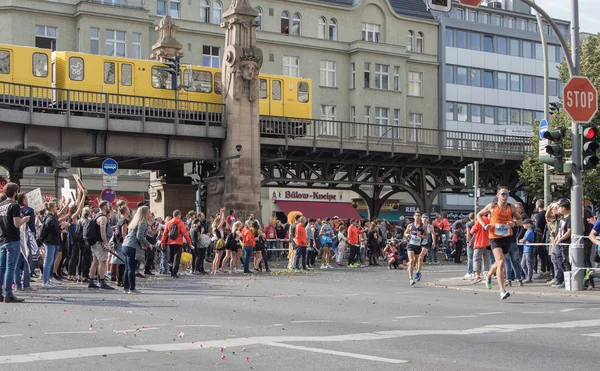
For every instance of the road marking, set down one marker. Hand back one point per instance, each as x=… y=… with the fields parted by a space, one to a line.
x=106 y=319
x=537 y=312
x=594 y=335
x=336 y=353
x=490 y=313
x=198 y=326
x=262 y=340
x=568 y=310
x=314 y=321
x=10 y=336
x=403 y=317
x=69 y=332
x=138 y=329
x=469 y=316
x=277 y=324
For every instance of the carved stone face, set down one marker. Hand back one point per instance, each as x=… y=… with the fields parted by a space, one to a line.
x=249 y=70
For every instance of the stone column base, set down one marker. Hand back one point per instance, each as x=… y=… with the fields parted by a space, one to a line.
x=166 y=198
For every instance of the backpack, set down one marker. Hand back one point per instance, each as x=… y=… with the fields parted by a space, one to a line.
x=91 y=230
x=230 y=241
x=43 y=230
x=174 y=231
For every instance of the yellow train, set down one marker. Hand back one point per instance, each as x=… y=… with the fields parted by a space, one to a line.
x=134 y=83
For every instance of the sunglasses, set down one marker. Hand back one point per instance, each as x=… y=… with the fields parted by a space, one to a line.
x=504 y=194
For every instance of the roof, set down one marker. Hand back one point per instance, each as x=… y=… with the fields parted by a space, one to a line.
x=412 y=8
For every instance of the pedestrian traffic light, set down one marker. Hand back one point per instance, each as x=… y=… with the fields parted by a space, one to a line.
x=466 y=176
x=589 y=145
x=173 y=67
x=202 y=190
x=554 y=152
x=553 y=109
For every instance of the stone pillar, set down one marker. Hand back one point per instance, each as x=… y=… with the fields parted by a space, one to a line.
x=241 y=64
x=166 y=46
x=15 y=177
x=166 y=198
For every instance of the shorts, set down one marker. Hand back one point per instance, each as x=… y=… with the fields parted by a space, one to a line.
x=416 y=249
x=500 y=243
x=98 y=252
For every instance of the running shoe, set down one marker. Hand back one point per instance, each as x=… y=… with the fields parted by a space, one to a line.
x=477 y=279
x=488 y=283
x=504 y=295
x=412 y=282
x=418 y=276
x=329 y=266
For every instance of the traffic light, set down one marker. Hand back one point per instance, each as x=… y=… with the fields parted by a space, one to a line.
x=466 y=176
x=554 y=149
x=589 y=147
x=554 y=109
x=202 y=190
x=173 y=67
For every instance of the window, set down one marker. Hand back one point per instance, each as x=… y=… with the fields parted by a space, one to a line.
x=449 y=111
x=539 y=116
x=78 y=39
x=515 y=117
x=285 y=22
x=322 y=28
x=327 y=113
x=552 y=52
x=527 y=51
x=367 y=114
x=415 y=120
x=4 y=62
x=528 y=84
x=161 y=7
x=381 y=116
x=488 y=79
x=303 y=96
x=476 y=114
x=502 y=45
x=94 y=40
x=328 y=73
x=382 y=76
x=538 y=52
x=472 y=15
x=370 y=32
x=514 y=48
x=39 y=63
x=109 y=73
x=197 y=81
x=475 y=41
x=296 y=24
x=210 y=56
x=217 y=12
x=459 y=14
x=539 y=85
x=76 y=72
x=367 y=83
x=484 y=18
x=174 y=8
x=502 y=81
x=396 y=123
x=420 y=46
x=515 y=82
x=126 y=74
x=352 y=75
x=333 y=29
x=461 y=112
x=262 y=89
x=217 y=84
x=522 y=24
x=258 y=18
x=509 y=22
x=396 y=78
x=45 y=37
x=410 y=43
x=204 y=11
x=502 y=116
x=291 y=66
x=527 y=118
x=136 y=45
x=449 y=37
x=276 y=89
x=489 y=115
x=161 y=79
x=353 y=114
x=496 y=20
x=114 y=43
x=554 y=86
x=488 y=44
x=415 y=84
x=461 y=76
x=532 y=26
x=475 y=77
x=461 y=39
x=449 y=70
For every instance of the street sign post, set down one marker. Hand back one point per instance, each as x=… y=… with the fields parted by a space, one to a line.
x=473 y=3
x=580 y=99
x=543 y=141
x=557 y=179
x=110 y=166
x=110 y=181
x=108 y=195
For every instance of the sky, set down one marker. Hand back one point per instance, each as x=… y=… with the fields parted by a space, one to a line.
x=588 y=11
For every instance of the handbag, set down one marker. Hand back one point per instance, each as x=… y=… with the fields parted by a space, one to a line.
x=140 y=254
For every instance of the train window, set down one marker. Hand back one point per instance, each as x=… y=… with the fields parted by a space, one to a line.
x=276 y=90
x=303 y=92
x=218 y=77
x=4 y=61
x=109 y=73
x=262 y=89
x=126 y=74
x=161 y=79
x=40 y=64
x=197 y=81
x=76 y=68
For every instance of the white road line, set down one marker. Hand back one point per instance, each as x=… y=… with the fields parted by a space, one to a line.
x=138 y=329
x=314 y=321
x=69 y=332
x=10 y=336
x=198 y=326
x=107 y=319
x=277 y=324
x=67 y=354
x=490 y=313
x=537 y=312
x=568 y=310
x=336 y=353
x=469 y=316
x=594 y=335
x=403 y=317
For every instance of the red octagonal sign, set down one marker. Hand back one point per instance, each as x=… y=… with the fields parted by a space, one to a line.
x=580 y=99
x=473 y=3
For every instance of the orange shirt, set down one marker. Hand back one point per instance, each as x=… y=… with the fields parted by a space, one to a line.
x=300 y=235
x=499 y=222
x=183 y=233
x=248 y=238
x=482 y=238
x=352 y=235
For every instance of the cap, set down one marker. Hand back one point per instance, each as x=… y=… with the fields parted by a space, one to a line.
x=425 y=216
x=527 y=221
x=335 y=217
x=143 y=203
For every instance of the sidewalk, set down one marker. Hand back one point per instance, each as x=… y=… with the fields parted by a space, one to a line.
x=537 y=288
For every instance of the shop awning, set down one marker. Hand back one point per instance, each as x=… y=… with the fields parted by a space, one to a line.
x=311 y=209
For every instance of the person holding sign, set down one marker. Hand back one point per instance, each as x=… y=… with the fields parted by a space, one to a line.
x=504 y=217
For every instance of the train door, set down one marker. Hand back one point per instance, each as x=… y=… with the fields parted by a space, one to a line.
x=109 y=83
x=126 y=79
x=276 y=100
x=263 y=95
x=6 y=67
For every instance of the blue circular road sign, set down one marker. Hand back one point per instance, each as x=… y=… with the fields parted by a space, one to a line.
x=110 y=166
x=543 y=128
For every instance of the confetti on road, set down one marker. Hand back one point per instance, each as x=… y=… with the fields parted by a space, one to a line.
x=181 y=335
x=222 y=357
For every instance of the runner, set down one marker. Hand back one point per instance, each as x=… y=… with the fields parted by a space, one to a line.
x=416 y=233
x=504 y=218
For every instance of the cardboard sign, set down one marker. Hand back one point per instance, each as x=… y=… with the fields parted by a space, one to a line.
x=35 y=199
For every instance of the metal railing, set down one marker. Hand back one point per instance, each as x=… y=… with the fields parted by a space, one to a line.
x=109 y=106
x=339 y=134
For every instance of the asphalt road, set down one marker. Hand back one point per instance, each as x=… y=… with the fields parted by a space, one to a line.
x=330 y=320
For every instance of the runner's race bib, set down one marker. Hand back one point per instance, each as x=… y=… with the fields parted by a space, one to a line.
x=502 y=230
x=415 y=241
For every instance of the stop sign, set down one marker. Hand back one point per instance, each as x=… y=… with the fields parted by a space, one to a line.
x=474 y=3
x=580 y=99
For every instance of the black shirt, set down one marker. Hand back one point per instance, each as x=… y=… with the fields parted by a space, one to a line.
x=120 y=223
x=52 y=229
x=540 y=221
x=8 y=211
x=564 y=225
